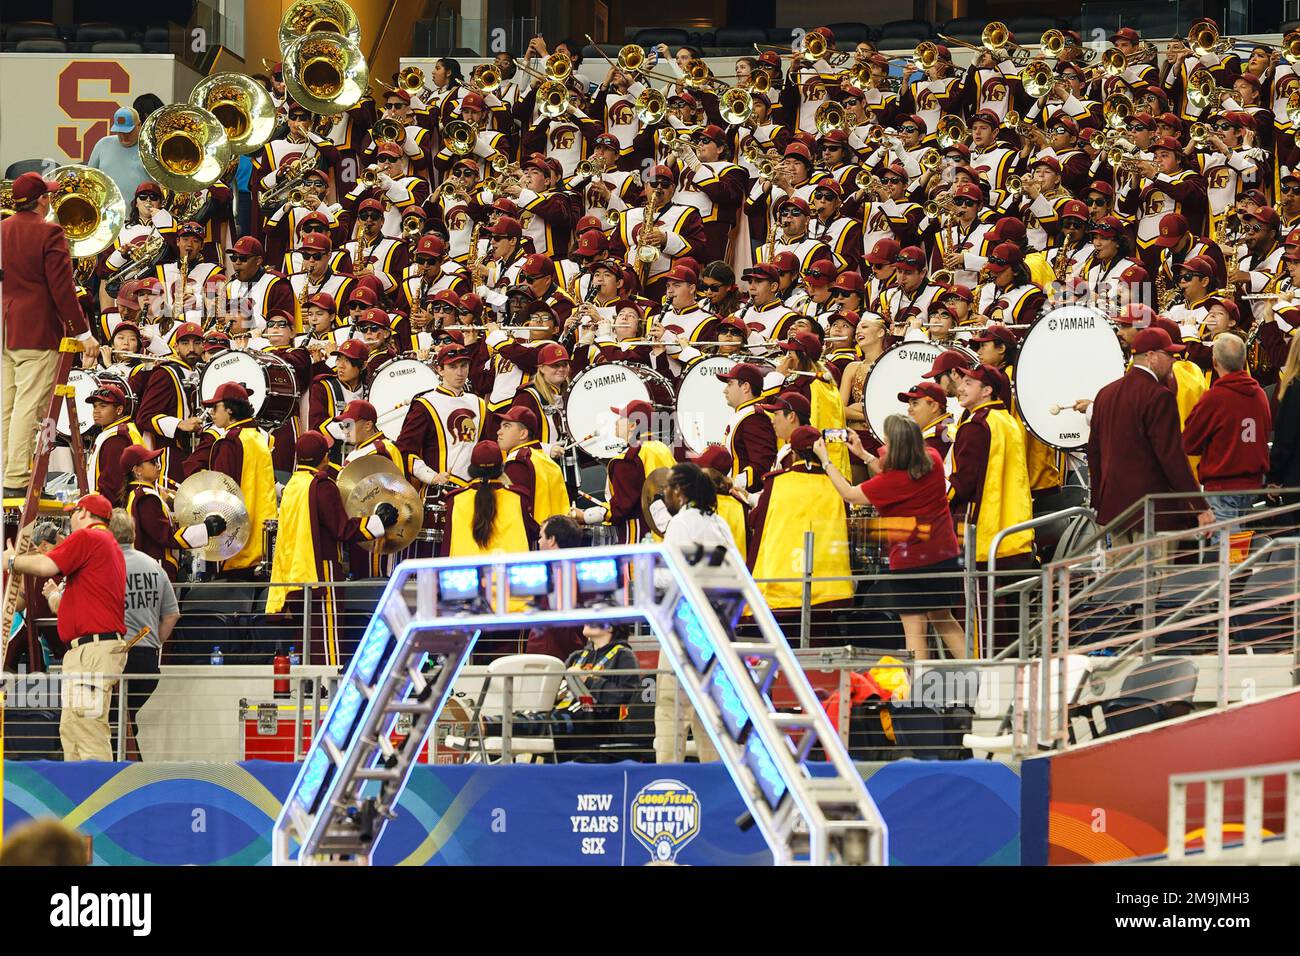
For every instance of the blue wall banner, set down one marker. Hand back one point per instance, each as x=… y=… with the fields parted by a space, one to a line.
x=939 y=813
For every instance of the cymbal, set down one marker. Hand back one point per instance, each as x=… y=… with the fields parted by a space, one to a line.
x=215 y=493
x=655 y=483
x=363 y=467
x=379 y=486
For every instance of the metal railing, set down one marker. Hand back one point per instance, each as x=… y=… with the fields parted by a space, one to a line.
x=1249 y=801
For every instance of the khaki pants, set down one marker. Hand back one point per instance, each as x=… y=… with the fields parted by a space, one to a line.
x=670 y=733
x=28 y=386
x=89 y=673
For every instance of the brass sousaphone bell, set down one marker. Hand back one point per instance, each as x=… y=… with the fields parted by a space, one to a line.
x=215 y=493
x=324 y=69
x=371 y=480
x=90 y=208
x=244 y=108
x=184 y=147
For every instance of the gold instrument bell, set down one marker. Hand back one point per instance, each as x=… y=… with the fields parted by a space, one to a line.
x=184 y=147
x=654 y=486
x=6 y=198
x=553 y=99
x=736 y=105
x=370 y=480
x=243 y=106
x=951 y=131
x=214 y=493
x=651 y=106
x=460 y=137
x=830 y=115
x=1037 y=79
x=324 y=69
x=90 y=208
x=631 y=58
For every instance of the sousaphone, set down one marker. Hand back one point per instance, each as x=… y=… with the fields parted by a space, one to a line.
x=371 y=480
x=214 y=493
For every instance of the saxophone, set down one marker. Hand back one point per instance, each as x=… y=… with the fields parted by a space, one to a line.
x=646 y=254
x=1165 y=291
x=178 y=303
x=471 y=260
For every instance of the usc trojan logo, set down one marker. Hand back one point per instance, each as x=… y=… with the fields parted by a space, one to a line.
x=75 y=145
x=621 y=113
x=461 y=425
x=563 y=137
x=1218 y=178
x=926 y=101
x=995 y=91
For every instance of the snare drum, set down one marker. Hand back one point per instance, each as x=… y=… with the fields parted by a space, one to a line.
x=84 y=382
x=272 y=386
x=702 y=410
x=395 y=385
x=1069 y=354
x=898 y=369
x=595 y=390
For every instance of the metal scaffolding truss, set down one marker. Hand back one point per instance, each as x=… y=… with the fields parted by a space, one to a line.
x=425 y=627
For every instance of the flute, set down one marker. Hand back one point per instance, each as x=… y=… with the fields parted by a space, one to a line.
x=151 y=358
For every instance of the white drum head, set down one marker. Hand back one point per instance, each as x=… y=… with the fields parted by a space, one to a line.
x=235 y=366
x=589 y=399
x=1069 y=354
x=898 y=369
x=396 y=385
x=702 y=410
x=83 y=382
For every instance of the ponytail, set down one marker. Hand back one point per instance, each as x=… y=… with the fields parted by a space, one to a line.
x=485 y=502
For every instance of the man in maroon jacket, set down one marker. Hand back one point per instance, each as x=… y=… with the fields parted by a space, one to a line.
x=1135 y=448
x=1229 y=429
x=40 y=308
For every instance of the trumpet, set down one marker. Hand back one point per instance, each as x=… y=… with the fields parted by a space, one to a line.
x=929 y=160
x=485 y=79
x=736 y=105
x=926 y=55
x=1116 y=110
x=1038 y=80
x=651 y=106
x=1053 y=43
x=865 y=179
x=936 y=208
x=411 y=79
x=1014 y=185
x=369 y=177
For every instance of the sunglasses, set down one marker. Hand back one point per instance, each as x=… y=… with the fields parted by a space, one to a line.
x=661 y=183
x=892 y=180
x=1139 y=128
x=297 y=116
x=908 y=129
x=425 y=260
x=385 y=160
x=1187 y=277
x=1291 y=189
x=313 y=256
x=964 y=202
x=370 y=327
x=236 y=257
x=370 y=215
x=711 y=286
x=1101 y=201
x=278 y=324
x=823 y=195
x=1254 y=227
x=313 y=227
x=995 y=261
x=462 y=171
x=395 y=105
x=1058 y=131
x=442 y=307
x=790 y=213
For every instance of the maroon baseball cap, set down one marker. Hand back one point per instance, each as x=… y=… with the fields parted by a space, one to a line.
x=1007 y=229
x=506 y=227
x=849 y=281
x=988 y=117
x=193 y=229
x=634 y=407
x=97 y=505
x=1004 y=256
x=507 y=206
x=804 y=437
x=246 y=246
x=445 y=296
x=148 y=188
x=1155 y=340
x=968 y=191
x=792 y=201
x=716 y=457
x=187 y=330
x=311 y=446
x=227 y=390
x=1109 y=226
x=661 y=172
x=1265 y=214
x=590 y=243
x=750 y=375
x=609 y=141
x=1198 y=265
x=323 y=300
x=537 y=265
x=431 y=245
x=883 y=252
x=789 y=402
x=762 y=270
x=733 y=323
x=134 y=455
x=988 y=375
x=358 y=410
x=820 y=274
x=315 y=242
x=995 y=332
x=389 y=149
x=522 y=416
x=486 y=454
x=800 y=151
x=805 y=343
x=911 y=258
x=368 y=204
x=1167 y=143
x=1074 y=209
x=1126 y=33
x=353 y=349
x=552 y=354
x=931 y=390
x=110 y=394
x=30 y=186
x=681 y=273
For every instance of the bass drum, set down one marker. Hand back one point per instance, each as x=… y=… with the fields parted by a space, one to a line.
x=1069 y=354
x=84 y=382
x=396 y=384
x=588 y=419
x=272 y=386
x=898 y=369
x=702 y=410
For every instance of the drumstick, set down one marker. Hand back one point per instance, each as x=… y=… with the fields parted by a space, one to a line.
x=591 y=498
x=1057 y=409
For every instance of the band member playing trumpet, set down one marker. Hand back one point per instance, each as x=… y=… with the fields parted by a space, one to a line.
x=715 y=187
x=289 y=218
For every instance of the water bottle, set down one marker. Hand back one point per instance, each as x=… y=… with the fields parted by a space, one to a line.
x=216 y=657
x=294 y=657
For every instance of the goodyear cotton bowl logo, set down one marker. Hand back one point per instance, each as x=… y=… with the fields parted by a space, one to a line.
x=665 y=817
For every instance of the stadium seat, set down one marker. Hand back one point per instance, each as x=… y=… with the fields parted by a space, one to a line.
x=31 y=30
x=652 y=38
x=100 y=33
x=41 y=46
x=847 y=34
x=116 y=47
x=1076 y=671
x=964 y=28
x=740 y=37
x=157 y=40
x=1152 y=692
x=535 y=692
x=904 y=33
x=1269 y=628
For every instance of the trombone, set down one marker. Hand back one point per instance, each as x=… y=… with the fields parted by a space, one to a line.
x=1203 y=94
x=830 y=115
x=951 y=131
x=1053 y=45
x=1204 y=38
x=460 y=137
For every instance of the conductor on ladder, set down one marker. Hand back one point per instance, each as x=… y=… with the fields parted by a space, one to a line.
x=39 y=307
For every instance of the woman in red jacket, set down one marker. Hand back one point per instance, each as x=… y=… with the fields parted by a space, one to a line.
x=908 y=486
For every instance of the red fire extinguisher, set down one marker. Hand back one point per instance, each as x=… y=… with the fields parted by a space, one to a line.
x=281 y=666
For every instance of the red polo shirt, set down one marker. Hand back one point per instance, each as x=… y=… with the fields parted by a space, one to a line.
x=95 y=599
